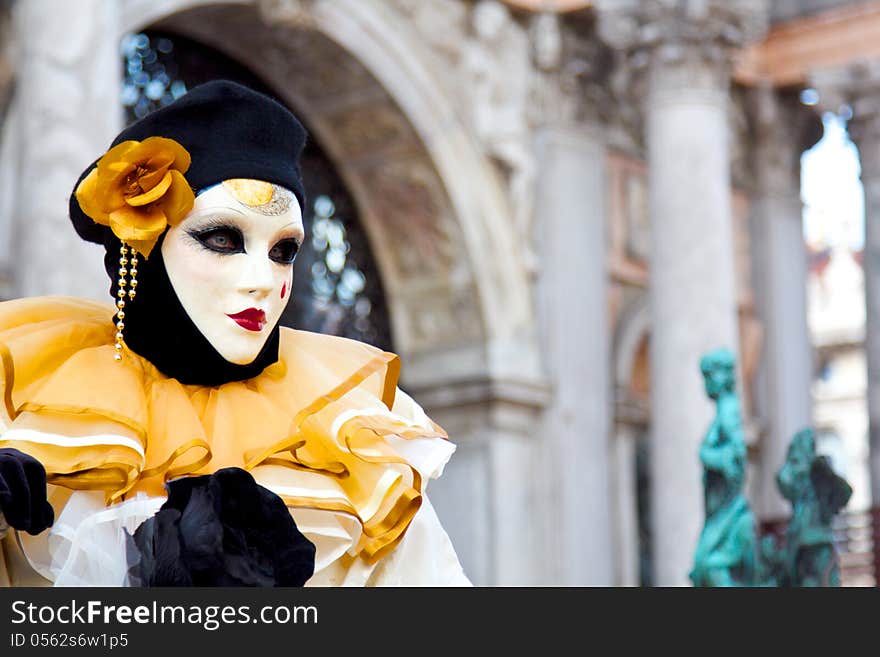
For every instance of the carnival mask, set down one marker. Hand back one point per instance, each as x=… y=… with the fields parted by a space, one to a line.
x=230 y=262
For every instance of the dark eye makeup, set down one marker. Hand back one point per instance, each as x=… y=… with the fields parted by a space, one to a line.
x=219 y=238
x=227 y=239
x=284 y=251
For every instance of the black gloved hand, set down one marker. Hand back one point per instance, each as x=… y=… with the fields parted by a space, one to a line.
x=23 y=492
x=222 y=529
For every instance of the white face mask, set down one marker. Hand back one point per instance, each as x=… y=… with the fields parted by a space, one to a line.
x=230 y=263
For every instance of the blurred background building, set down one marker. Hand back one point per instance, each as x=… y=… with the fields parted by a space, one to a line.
x=550 y=209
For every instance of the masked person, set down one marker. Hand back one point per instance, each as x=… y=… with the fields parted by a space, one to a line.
x=184 y=423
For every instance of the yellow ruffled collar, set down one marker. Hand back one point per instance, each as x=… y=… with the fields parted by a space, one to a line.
x=316 y=424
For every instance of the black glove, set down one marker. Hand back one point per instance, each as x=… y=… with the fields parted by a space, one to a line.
x=23 y=492
x=220 y=530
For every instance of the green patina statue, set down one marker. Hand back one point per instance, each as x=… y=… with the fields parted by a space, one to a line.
x=726 y=553
x=816 y=494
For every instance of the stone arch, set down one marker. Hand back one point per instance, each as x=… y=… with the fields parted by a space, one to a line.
x=434 y=212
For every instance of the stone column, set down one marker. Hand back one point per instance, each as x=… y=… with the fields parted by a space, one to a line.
x=624 y=486
x=67 y=103
x=859 y=87
x=783 y=128
x=573 y=301
x=489 y=498
x=571 y=297
x=693 y=301
x=8 y=162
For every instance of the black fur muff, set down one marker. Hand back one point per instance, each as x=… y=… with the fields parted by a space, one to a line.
x=222 y=529
x=23 y=492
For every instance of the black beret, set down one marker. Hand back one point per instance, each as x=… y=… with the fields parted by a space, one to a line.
x=230 y=131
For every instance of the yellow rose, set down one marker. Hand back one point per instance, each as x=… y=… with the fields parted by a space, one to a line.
x=138 y=189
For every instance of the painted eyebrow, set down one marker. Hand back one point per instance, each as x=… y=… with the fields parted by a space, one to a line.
x=298 y=229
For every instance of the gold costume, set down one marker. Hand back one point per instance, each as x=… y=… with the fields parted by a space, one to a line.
x=325 y=427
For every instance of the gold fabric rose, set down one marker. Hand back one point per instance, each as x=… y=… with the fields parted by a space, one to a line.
x=138 y=189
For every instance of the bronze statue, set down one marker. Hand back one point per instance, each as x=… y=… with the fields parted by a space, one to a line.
x=726 y=552
x=816 y=494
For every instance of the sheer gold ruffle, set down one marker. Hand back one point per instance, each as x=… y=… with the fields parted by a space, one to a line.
x=319 y=417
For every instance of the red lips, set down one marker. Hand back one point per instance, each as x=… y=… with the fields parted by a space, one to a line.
x=251 y=319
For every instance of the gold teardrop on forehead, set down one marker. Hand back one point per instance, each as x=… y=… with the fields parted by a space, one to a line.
x=250 y=192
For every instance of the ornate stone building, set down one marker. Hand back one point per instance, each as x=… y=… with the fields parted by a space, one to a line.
x=514 y=167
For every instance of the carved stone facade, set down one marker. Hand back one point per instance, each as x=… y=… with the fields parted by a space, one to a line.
x=548 y=197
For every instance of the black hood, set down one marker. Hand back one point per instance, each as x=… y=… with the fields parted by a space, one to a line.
x=158 y=328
